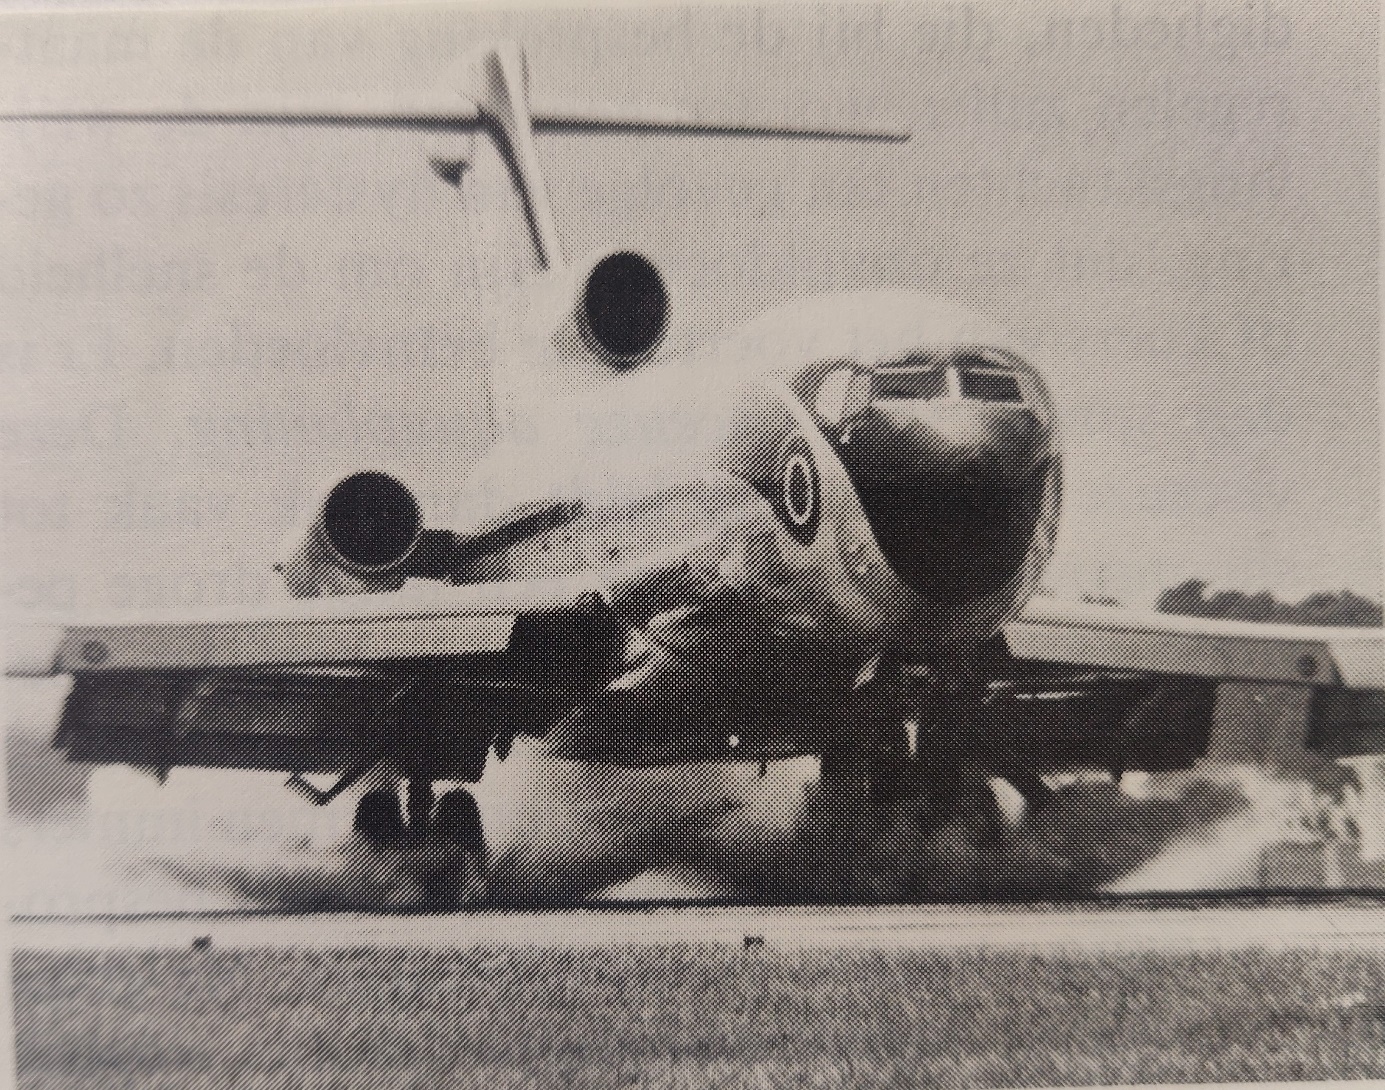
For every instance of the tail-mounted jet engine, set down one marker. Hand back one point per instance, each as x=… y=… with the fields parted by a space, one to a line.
x=615 y=305
x=359 y=539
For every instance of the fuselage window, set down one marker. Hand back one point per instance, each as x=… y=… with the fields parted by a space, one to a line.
x=922 y=384
x=989 y=386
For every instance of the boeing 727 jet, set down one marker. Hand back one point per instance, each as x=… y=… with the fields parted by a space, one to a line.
x=821 y=535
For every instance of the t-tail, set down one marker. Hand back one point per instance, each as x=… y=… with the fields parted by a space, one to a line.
x=553 y=325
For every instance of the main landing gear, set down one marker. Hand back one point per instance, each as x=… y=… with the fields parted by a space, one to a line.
x=453 y=819
x=441 y=835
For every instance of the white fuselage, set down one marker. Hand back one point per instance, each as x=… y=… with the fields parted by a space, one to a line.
x=825 y=485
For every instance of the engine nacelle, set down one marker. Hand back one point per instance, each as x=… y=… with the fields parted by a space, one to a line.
x=615 y=304
x=358 y=539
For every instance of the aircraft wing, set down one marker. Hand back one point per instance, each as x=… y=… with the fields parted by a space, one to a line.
x=1128 y=650
x=321 y=685
x=1164 y=643
x=425 y=621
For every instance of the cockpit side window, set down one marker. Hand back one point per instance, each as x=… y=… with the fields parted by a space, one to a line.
x=843 y=393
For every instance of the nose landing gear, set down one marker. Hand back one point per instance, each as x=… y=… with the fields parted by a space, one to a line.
x=907 y=819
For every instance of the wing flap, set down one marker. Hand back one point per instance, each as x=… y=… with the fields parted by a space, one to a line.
x=1116 y=722
x=1346 y=722
x=293 y=722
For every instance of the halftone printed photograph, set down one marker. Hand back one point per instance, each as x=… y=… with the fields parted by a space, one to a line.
x=693 y=546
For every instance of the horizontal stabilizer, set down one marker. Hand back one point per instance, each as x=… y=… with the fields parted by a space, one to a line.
x=459 y=115
x=597 y=117
x=488 y=86
x=435 y=113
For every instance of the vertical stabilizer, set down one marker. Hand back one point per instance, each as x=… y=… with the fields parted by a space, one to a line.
x=499 y=87
x=551 y=328
x=514 y=237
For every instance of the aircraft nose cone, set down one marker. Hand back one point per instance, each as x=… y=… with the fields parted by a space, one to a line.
x=952 y=490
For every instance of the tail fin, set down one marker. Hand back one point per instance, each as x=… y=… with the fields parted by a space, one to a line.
x=488 y=151
x=514 y=237
x=514 y=233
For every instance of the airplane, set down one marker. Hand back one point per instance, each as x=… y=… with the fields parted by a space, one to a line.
x=823 y=534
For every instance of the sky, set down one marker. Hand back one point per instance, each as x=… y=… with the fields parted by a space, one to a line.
x=1176 y=205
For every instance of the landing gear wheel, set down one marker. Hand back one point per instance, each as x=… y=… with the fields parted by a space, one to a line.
x=456 y=875
x=457 y=820
x=379 y=821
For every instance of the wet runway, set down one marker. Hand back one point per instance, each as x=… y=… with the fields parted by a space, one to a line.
x=1066 y=930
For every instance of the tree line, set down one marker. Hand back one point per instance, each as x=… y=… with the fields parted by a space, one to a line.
x=1191 y=598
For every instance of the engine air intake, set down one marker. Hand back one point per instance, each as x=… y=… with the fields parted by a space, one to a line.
x=371 y=519
x=625 y=307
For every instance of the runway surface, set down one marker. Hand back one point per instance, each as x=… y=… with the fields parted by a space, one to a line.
x=1066 y=930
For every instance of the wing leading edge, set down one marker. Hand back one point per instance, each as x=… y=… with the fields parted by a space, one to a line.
x=427 y=621
x=325 y=685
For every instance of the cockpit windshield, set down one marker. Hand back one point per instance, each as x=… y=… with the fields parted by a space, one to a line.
x=988 y=385
x=919 y=384
x=969 y=374
x=993 y=376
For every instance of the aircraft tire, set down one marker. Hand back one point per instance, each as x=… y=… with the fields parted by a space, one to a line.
x=379 y=821
x=457 y=820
